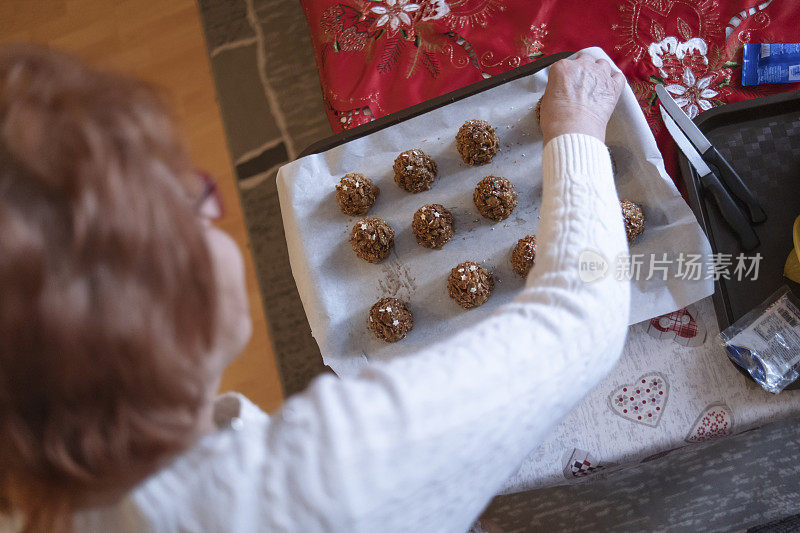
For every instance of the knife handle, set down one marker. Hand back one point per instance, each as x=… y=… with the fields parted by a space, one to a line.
x=731 y=212
x=735 y=184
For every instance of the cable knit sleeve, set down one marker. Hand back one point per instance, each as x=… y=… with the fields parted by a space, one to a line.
x=423 y=442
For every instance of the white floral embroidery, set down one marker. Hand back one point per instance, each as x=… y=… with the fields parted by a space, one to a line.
x=671 y=46
x=538 y=34
x=436 y=10
x=395 y=12
x=693 y=93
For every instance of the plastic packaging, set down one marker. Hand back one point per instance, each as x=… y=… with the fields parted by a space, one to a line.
x=766 y=341
x=770 y=63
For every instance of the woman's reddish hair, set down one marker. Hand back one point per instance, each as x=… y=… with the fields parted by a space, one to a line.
x=107 y=293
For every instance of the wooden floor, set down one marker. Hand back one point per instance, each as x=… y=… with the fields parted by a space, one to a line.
x=161 y=42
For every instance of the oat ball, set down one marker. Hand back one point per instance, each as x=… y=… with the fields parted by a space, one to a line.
x=495 y=198
x=433 y=226
x=470 y=285
x=390 y=319
x=355 y=194
x=414 y=171
x=477 y=142
x=634 y=219
x=523 y=256
x=372 y=239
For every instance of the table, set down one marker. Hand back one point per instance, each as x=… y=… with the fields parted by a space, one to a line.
x=703 y=397
x=695 y=393
x=695 y=396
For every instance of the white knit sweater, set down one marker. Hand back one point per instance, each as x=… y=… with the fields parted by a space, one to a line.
x=420 y=443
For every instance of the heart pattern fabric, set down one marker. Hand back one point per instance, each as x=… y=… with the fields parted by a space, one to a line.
x=581 y=463
x=682 y=326
x=716 y=420
x=642 y=401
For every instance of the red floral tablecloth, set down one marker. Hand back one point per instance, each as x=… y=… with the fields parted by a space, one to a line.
x=376 y=57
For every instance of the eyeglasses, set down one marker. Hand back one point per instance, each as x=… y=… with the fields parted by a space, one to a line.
x=206 y=197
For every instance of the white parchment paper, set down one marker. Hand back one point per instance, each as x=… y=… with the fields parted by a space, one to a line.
x=337 y=288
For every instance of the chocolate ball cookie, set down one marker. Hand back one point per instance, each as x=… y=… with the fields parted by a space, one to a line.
x=634 y=219
x=470 y=285
x=495 y=198
x=433 y=226
x=390 y=319
x=414 y=171
x=372 y=239
x=355 y=194
x=477 y=142
x=523 y=256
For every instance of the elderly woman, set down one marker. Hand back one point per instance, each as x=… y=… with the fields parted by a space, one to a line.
x=120 y=307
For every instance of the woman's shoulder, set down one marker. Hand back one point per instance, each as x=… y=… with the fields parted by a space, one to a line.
x=233 y=409
x=240 y=433
x=203 y=484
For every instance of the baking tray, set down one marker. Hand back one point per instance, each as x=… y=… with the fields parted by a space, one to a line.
x=761 y=140
x=433 y=103
x=423 y=107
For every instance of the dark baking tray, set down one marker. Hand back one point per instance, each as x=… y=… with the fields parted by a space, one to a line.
x=433 y=103
x=761 y=140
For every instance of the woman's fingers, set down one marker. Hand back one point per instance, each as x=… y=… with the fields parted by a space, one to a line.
x=604 y=65
x=619 y=80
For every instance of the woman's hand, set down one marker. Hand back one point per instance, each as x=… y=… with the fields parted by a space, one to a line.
x=580 y=96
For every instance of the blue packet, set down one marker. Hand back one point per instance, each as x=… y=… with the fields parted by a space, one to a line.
x=770 y=63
